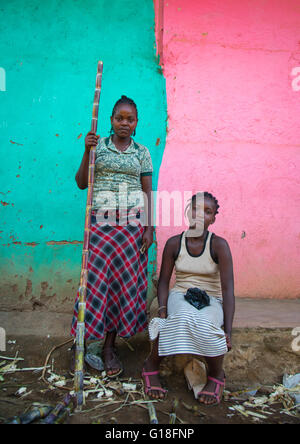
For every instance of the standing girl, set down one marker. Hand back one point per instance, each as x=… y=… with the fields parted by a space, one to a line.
x=117 y=270
x=202 y=260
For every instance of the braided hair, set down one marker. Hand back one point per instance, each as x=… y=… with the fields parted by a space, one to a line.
x=205 y=194
x=124 y=100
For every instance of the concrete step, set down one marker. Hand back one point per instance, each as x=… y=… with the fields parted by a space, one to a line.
x=250 y=313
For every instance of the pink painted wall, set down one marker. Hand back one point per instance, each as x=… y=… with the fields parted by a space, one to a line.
x=234 y=130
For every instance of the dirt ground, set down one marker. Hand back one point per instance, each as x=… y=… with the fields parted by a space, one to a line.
x=35 y=350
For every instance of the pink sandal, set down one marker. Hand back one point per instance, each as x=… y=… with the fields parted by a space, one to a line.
x=216 y=393
x=148 y=386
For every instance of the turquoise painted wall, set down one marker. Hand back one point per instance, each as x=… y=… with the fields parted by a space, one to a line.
x=49 y=52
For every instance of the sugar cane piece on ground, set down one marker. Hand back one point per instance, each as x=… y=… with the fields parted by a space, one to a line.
x=172 y=416
x=31 y=416
x=58 y=409
x=64 y=414
x=152 y=413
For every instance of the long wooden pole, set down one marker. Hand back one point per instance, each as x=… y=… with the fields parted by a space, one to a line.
x=80 y=332
x=161 y=31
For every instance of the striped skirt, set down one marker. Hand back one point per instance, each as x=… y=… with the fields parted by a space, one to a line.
x=117 y=282
x=188 y=330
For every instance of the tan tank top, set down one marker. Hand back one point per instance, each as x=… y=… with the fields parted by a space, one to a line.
x=199 y=271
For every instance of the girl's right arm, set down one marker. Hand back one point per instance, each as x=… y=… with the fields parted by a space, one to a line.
x=82 y=175
x=167 y=265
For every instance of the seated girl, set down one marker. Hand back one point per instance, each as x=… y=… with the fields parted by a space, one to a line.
x=202 y=260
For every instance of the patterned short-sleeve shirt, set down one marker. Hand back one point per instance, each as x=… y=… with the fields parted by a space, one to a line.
x=118 y=174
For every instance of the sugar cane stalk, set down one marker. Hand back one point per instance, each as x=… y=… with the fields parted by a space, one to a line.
x=172 y=415
x=53 y=415
x=80 y=332
x=32 y=415
x=64 y=414
x=152 y=413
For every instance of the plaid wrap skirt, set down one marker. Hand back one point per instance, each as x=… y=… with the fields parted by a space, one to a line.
x=117 y=282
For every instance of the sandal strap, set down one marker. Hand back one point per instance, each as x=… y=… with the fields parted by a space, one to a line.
x=213 y=394
x=150 y=373
x=217 y=381
x=160 y=389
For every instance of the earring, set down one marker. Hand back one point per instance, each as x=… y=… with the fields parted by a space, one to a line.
x=111 y=130
x=134 y=133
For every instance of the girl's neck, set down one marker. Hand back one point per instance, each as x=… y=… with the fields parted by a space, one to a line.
x=194 y=235
x=121 y=144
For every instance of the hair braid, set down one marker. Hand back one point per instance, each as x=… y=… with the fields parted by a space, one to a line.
x=204 y=194
x=128 y=101
x=210 y=196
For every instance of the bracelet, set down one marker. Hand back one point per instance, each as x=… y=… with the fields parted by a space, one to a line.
x=163 y=306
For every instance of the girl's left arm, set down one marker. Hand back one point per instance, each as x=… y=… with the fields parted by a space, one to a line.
x=227 y=282
x=146 y=182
